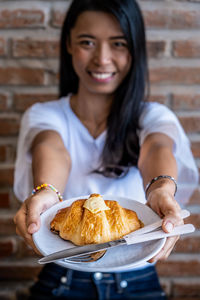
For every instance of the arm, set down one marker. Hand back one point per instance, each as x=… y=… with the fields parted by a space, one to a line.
x=50 y=160
x=156 y=158
x=50 y=164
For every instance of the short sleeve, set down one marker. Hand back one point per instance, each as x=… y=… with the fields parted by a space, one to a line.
x=40 y=117
x=158 y=118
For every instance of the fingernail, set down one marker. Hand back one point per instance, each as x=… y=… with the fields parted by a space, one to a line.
x=32 y=228
x=169 y=226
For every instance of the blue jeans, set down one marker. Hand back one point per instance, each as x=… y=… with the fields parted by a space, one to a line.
x=56 y=282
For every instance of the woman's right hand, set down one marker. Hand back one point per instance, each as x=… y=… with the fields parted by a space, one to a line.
x=27 y=218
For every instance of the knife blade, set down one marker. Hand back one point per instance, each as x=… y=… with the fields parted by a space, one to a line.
x=81 y=250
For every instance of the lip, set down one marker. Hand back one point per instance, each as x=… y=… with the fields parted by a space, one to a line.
x=101 y=76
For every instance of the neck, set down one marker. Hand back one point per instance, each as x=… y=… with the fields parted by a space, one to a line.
x=92 y=110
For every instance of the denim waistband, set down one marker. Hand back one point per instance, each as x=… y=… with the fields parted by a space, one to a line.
x=106 y=276
x=59 y=281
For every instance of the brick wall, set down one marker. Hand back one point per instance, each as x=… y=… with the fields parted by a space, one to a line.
x=29 y=34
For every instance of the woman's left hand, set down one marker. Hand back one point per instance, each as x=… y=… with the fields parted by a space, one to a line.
x=164 y=204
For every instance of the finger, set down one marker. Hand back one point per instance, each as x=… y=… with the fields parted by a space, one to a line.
x=21 y=228
x=33 y=216
x=171 y=220
x=22 y=231
x=166 y=250
x=156 y=209
x=20 y=220
x=18 y=232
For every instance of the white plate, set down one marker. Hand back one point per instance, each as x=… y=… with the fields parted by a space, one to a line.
x=121 y=258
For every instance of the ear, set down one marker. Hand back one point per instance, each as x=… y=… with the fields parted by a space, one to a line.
x=68 y=46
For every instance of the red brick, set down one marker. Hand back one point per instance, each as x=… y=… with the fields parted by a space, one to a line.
x=178 y=268
x=189 y=244
x=7 y=295
x=13 y=290
x=4 y=200
x=3 y=102
x=7 y=247
x=7 y=226
x=194 y=219
x=19 y=271
x=175 y=75
x=191 y=124
x=24 y=250
x=172 y=19
x=11 y=153
x=22 y=293
x=186 y=102
x=22 y=101
x=35 y=48
x=21 y=76
x=184 y=288
x=21 y=18
x=156 y=19
x=166 y=285
x=52 y=77
x=156 y=48
x=186 y=48
x=6 y=177
x=195 y=146
x=2 y=47
x=2 y=153
x=9 y=125
x=7 y=153
x=163 y=99
x=58 y=17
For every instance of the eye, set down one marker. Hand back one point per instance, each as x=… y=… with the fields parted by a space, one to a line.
x=87 y=43
x=120 y=44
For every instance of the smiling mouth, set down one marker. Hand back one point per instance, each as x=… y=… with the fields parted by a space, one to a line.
x=102 y=76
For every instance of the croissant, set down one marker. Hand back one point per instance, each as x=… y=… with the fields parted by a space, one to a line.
x=91 y=221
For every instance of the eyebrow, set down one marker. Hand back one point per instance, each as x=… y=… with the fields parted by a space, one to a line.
x=92 y=37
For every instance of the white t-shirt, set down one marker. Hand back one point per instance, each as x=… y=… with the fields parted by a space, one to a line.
x=85 y=152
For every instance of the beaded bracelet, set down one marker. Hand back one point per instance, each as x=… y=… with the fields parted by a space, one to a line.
x=160 y=177
x=44 y=185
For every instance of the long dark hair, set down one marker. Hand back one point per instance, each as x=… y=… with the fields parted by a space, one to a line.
x=121 y=148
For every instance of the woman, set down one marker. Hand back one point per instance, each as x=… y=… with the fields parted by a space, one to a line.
x=101 y=137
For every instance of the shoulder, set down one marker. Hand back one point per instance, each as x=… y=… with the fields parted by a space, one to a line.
x=46 y=112
x=156 y=112
x=157 y=117
x=54 y=106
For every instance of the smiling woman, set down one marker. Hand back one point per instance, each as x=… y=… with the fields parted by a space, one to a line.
x=101 y=60
x=115 y=49
x=100 y=55
x=101 y=137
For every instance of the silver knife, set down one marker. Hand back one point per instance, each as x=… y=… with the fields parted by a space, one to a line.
x=132 y=238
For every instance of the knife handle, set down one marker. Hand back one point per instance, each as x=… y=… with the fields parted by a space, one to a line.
x=159 y=234
x=183 y=213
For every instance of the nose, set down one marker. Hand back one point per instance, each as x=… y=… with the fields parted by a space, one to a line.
x=102 y=55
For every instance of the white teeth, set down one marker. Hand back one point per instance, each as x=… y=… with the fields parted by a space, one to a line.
x=101 y=75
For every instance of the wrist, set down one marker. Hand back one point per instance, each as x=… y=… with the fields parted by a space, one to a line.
x=46 y=195
x=163 y=182
x=48 y=186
